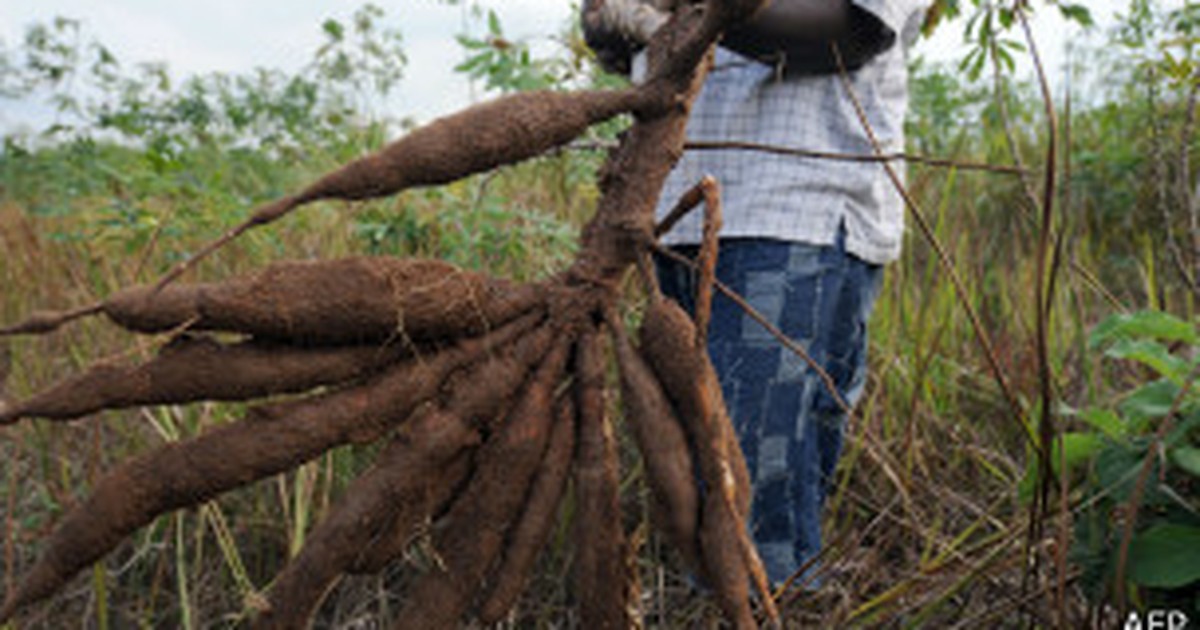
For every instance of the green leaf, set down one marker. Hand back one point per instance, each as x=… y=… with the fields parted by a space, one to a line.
x=494 y=24
x=1116 y=468
x=974 y=63
x=105 y=56
x=1187 y=424
x=1144 y=325
x=473 y=65
x=1005 y=58
x=1166 y=556
x=1150 y=401
x=1077 y=13
x=1006 y=18
x=1187 y=458
x=333 y=29
x=1076 y=448
x=1151 y=354
x=1106 y=421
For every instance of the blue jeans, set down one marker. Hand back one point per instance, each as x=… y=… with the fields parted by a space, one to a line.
x=789 y=425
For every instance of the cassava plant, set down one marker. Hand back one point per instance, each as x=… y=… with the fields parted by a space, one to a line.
x=486 y=396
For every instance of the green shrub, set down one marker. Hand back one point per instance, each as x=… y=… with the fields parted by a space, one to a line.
x=1143 y=451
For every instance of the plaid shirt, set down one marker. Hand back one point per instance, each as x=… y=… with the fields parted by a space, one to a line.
x=798 y=198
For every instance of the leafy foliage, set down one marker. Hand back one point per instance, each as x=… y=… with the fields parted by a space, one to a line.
x=1154 y=427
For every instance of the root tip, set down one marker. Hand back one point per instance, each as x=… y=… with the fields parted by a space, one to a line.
x=42 y=322
x=5 y=366
x=10 y=412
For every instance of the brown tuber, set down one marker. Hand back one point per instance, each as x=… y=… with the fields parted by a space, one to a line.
x=194 y=367
x=664 y=447
x=491 y=134
x=602 y=584
x=400 y=489
x=669 y=343
x=395 y=489
x=473 y=532
x=272 y=439
x=503 y=131
x=532 y=531
x=344 y=301
x=347 y=300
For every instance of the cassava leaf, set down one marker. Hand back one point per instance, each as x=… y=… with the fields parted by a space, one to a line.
x=1106 y=421
x=1143 y=325
x=1077 y=13
x=1148 y=402
x=1151 y=354
x=1187 y=458
x=1075 y=449
x=1166 y=556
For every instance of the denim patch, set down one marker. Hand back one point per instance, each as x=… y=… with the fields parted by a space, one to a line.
x=772 y=525
x=804 y=261
x=792 y=367
x=801 y=314
x=754 y=363
x=772 y=458
x=784 y=409
x=765 y=292
x=778 y=559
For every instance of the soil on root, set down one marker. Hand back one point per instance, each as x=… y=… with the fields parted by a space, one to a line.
x=669 y=344
x=725 y=567
x=391 y=544
x=664 y=447
x=470 y=537
x=196 y=367
x=602 y=583
x=396 y=489
x=272 y=439
x=503 y=131
x=477 y=395
x=343 y=301
x=691 y=382
x=532 y=531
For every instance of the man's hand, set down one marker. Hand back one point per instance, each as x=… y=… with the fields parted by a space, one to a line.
x=635 y=19
x=798 y=34
x=616 y=29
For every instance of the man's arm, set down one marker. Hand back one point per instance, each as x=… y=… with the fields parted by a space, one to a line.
x=799 y=33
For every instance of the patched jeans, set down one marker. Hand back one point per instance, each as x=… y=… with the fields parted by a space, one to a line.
x=789 y=425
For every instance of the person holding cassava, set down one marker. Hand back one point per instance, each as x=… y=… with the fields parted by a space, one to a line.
x=804 y=239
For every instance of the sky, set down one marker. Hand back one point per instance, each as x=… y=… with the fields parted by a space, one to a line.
x=239 y=35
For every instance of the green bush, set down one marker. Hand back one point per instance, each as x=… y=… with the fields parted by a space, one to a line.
x=1143 y=452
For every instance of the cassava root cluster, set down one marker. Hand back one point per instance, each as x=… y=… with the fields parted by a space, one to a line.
x=483 y=427
x=489 y=398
